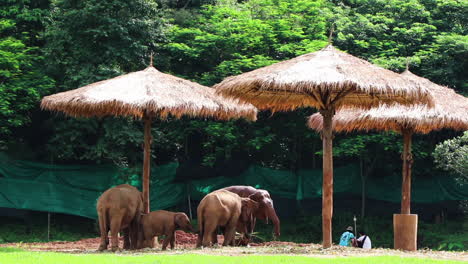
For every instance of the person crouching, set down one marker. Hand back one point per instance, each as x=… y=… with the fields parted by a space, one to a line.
x=347 y=237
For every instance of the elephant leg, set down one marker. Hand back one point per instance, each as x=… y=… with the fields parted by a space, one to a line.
x=229 y=233
x=214 y=238
x=155 y=242
x=115 y=228
x=173 y=240
x=126 y=234
x=166 y=242
x=134 y=236
x=242 y=229
x=104 y=240
x=209 y=229
x=225 y=235
x=246 y=234
x=104 y=229
x=199 y=239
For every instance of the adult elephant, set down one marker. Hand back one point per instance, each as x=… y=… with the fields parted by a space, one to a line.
x=120 y=209
x=265 y=209
x=223 y=209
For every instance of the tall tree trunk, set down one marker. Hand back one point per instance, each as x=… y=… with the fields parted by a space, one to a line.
x=327 y=186
x=146 y=163
x=407 y=163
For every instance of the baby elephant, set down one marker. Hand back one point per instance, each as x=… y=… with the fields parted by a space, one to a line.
x=163 y=222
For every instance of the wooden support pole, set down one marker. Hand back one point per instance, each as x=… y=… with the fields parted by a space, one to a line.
x=146 y=163
x=405 y=225
x=405 y=231
x=327 y=186
x=407 y=164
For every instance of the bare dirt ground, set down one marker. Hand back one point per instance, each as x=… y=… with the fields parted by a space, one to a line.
x=185 y=243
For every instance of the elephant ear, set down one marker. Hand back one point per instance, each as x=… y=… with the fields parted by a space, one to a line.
x=249 y=206
x=257 y=196
x=254 y=205
x=178 y=220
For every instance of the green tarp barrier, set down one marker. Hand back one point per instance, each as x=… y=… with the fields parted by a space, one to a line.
x=51 y=188
x=75 y=189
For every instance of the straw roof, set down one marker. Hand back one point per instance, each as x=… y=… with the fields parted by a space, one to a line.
x=318 y=79
x=147 y=91
x=450 y=111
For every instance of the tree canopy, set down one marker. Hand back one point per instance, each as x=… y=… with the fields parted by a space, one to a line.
x=49 y=46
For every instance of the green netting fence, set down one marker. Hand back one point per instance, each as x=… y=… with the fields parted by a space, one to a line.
x=75 y=189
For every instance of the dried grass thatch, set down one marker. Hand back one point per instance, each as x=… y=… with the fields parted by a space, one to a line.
x=318 y=79
x=450 y=111
x=148 y=91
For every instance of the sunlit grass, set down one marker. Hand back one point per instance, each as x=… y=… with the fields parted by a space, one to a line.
x=19 y=256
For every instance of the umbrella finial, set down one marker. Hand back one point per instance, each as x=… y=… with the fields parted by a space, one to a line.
x=151 y=59
x=407 y=63
x=332 y=29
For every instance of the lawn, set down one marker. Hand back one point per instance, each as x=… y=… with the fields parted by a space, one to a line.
x=19 y=256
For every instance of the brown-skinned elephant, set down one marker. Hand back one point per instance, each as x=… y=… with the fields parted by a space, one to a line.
x=265 y=209
x=119 y=209
x=222 y=208
x=162 y=222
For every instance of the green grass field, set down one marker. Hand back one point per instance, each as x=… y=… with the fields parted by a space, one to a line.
x=19 y=256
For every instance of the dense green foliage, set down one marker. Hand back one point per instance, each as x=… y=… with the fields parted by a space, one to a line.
x=57 y=45
x=452 y=155
x=22 y=79
x=88 y=41
x=230 y=38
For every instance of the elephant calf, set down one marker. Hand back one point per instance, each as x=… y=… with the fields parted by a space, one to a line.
x=222 y=209
x=163 y=222
x=118 y=209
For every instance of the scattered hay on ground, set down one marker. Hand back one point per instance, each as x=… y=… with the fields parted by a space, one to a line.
x=186 y=242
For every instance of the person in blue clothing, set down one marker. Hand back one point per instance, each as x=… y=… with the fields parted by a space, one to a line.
x=346 y=237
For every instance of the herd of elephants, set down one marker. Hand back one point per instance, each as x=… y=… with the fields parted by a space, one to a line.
x=231 y=209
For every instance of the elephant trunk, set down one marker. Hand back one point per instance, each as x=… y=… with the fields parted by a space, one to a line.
x=271 y=214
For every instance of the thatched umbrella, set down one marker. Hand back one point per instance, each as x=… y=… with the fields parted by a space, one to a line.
x=327 y=80
x=147 y=94
x=450 y=111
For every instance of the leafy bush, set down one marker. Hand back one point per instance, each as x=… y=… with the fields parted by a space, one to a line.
x=452 y=155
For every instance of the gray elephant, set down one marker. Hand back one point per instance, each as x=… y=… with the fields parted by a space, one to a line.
x=223 y=209
x=265 y=209
x=162 y=222
x=119 y=209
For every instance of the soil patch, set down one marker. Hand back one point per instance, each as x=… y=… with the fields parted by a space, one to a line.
x=186 y=242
